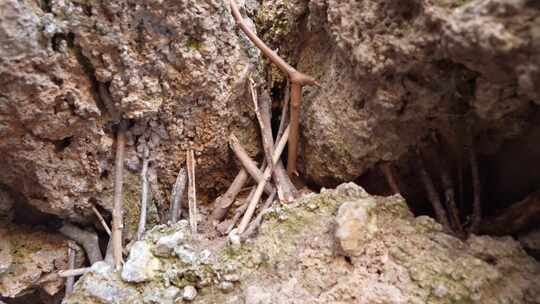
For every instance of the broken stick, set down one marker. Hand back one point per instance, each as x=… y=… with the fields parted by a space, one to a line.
x=260 y=186
x=192 y=194
x=71 y=265
x=117 y=214
x=223 y=203
x=390 y=179
x=144 y=194
x=101 y=220
x=177 y=193
x=296 y=78
x=73 y=272
x=433 y=196
x=89 y=241
x=258 y=219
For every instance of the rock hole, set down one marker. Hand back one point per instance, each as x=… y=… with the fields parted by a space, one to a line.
x=62 y=144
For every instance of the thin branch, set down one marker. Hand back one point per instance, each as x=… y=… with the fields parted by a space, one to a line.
x=192 y=194
x=390 y=178
x=71 y=265
x=89 y=241
x=223 y=203
x=177 y=193
x=268 y=141
x=101 y=220
x=260 y=186
x=241 y=210
x=477 y=202
x=450 y=199
x=252 y=228
x=117 y=215
x=296 y=78
x=73 y=272
x=432 y=194
x=249 y=165
x=144 y=194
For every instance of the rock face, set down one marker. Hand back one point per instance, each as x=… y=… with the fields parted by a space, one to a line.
x=175 y=69
x=392 y=72
x=294 y=260
x=27 y=256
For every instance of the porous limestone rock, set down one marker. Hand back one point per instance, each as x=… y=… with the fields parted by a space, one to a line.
x=294 y=260
x=356 y=225
x=392 y=72
x=175 y=69
x=28 y=255
x=141 y=264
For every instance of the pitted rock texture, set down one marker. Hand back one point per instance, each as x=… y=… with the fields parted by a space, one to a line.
x=27 y=256
x=176 y=70
x=294 y=260
x=392 y=72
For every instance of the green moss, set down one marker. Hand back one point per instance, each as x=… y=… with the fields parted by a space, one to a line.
x=193 y=44
x=452 y=3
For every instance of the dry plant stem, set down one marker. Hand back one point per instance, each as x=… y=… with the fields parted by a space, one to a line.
x=268 y=141
x=89 y=241
x=177 y=193
x=240 y=210
x=296 y=78
x=71 y=265
x=73 y=272
x=101 y=220
x=260 y=186
x=258 y=219
x=390 y=178
x=192 y=196
x=224 y=203
x=144 y=195
x=433 y=196
x=477 y=203
x=450 y=199
x=117 y=214
x=249 y=164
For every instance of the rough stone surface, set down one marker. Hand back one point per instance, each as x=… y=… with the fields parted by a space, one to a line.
x=176 y=69
x=391 y=72
x=26 y=256
x=294 y=260
x=356 y=225
x=531 y=242
x=141 y=264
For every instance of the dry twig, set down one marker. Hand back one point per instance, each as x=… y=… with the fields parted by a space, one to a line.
x=117 y=214
x=432 y=194
x=258 y=219
x=101 y=220
x=223 y=203
x=144 y=194
x=73 y=272
x=192 y=194
x=390 y=179
x=260 y=186
x=71 y=265
x=89 y=241
x=177 y=193
x=296 y=78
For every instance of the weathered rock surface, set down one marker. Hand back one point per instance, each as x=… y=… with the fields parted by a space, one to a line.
x=294 y=260
x=394 y=71
x=175 y=69
x=27 y=256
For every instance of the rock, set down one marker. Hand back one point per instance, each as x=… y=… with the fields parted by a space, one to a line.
x=407 y=260
x=28 y=255
x=531 y=242
x=166 y=244
x=190 y=293
x=356 y=225
x=151 y=294
x=141 y=264
x=175 y=69
x=104 y=285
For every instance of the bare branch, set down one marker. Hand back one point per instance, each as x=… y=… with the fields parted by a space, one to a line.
x=192 y=194
x=249 y=165
x=71 y=265
x=432 y=194
x=260 y=186
x=390 y=179
x=101 y=220
x=89 y=241
x=477 y=202
x=223 y=204
x=73 y=272
x=177 y=193
x=117 y=216
x=258 y=219
x=144 y=194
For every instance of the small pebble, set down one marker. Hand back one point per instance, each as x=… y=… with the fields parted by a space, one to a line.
x=189 y=293
x=226 y=286
x=234 y=238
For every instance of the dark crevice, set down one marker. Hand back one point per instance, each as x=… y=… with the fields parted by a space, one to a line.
x=62 y=144
x=46 y=6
